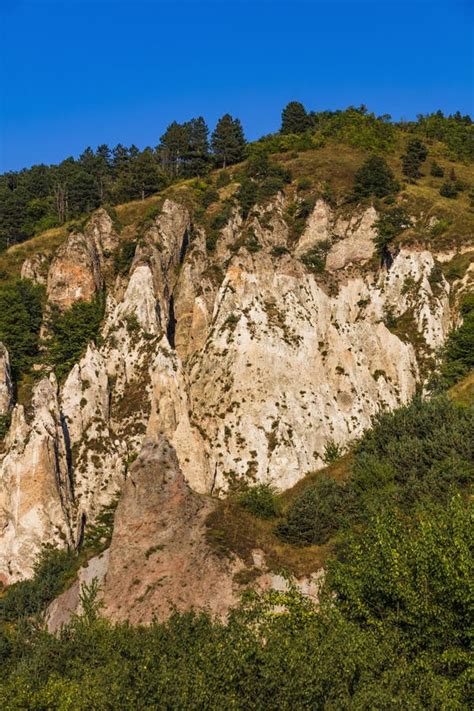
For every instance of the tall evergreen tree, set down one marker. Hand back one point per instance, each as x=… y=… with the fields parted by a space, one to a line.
x=196 y=154
x=173 y=145
x=228 y=141
x=413 y=158
x=294 y=118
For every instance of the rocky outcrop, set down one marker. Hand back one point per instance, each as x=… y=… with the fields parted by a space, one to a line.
x=77 y=270
x=6 y=386
x=247 y=363
x=35 y=491
x=35 y=269
x=159 y=559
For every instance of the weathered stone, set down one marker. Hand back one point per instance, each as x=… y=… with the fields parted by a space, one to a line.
x=35 y=493
x=6 y=386
x=159 y=559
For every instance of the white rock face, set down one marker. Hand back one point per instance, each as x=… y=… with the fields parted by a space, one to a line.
x=35 y=269
x=287 y=368
x=6 y=386
x=35 y=493
x=246 y=363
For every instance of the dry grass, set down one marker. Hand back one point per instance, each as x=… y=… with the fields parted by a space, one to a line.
x=463 y=393
x=46 y=243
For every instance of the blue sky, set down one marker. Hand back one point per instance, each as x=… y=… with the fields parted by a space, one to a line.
x=83 y=72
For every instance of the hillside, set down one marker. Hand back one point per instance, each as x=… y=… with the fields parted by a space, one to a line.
x=256 y=380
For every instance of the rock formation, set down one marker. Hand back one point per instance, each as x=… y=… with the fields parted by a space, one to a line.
x=247 y=363
x=6 y=386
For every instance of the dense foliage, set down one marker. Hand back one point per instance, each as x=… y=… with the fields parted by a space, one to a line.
x=459 y=350
x=20 y=321
x=260 y=500
x=418 y=453
x=71 y=331
x=390 y=633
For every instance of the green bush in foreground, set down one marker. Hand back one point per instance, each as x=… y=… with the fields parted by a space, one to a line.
x=260 y=500
x=390 y=632
x=315 y=514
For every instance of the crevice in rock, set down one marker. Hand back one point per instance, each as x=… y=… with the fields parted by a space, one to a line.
x=67 y=447
x=171 y=328
x=184 y=247
x=81 y=527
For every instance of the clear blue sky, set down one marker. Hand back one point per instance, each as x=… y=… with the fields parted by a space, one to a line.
x=83 y=72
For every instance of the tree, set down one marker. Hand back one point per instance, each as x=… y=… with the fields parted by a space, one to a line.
x=374 y=177
x=173 y=145
x=20 y=321
x=413 y=158
x=196 y=153
x=294 y=118
x=228 y=141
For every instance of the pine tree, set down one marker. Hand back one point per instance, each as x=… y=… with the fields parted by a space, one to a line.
x=196 y=154
x=294 y=118
x=228 y=141
x=416 y=155
x=374 y=177
x=173 y=145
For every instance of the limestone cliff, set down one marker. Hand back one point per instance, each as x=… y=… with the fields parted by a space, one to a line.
x=243 y=358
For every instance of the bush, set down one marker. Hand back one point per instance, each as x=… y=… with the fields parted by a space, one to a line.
x=436 y=170
x=260 y=500
x=415 y=155
x=52 y=570
x=423 y=451
x=315 y=515
x=71 y=331
x=315 y=258
x=449 y=190
x=223 y=179
x=390 y=225
x=247 y=196
x=374 y=178
x=123 y=258
x=208 y=197
x=459 y=349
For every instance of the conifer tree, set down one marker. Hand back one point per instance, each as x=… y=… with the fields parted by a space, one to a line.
x=294 y=118
x=228 y=141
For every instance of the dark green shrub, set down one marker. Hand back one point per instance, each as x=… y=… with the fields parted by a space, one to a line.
x=260 y=500
x=5 y=421
x=208 y=197
x=390 y=225
x=374 y=177
x=437 y=171
x=413 y=158
x=247 y=195
x=123 y=258
x=315 y=515
x=449 y=190
x=53 y=569
x=223 y=179
x=332 y=451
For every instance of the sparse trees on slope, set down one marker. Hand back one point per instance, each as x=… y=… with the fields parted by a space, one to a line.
x=228 y=141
